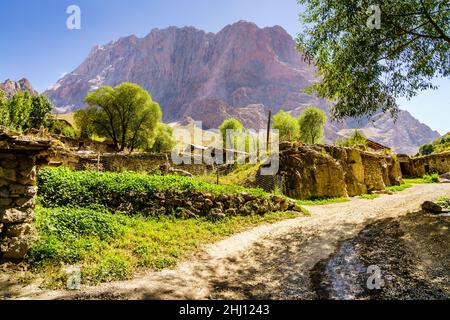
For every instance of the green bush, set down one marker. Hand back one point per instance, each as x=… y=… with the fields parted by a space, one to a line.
x=433 y=178
x=62 y=187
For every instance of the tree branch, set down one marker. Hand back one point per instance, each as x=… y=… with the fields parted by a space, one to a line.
x=434 y=24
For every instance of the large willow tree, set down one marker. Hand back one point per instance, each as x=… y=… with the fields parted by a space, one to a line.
x=369 y=52
x=126 y=115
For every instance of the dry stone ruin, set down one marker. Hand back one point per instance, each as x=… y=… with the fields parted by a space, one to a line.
x=18 y=161
x=419 y=166
x=329 y=171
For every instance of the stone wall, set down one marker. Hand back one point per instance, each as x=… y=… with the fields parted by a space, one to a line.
x=18 y=161
x=138 y=162
x=329 y=171
x=419 y=166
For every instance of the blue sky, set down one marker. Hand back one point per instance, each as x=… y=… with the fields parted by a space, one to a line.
x=37 y=45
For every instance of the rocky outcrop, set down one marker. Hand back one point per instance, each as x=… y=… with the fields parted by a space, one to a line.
x=18 y=160
x=329 y=171
x=243 y=71
x=11 y=87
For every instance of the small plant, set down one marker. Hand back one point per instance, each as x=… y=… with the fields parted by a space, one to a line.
x=369 y=196
x=317 y=201
x=399 y=188
x=444 y=202
x=433 y=178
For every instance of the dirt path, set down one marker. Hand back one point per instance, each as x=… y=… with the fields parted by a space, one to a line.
x=271 y=261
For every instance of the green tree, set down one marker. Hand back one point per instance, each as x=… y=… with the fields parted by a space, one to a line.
x=4 y=114
x=426 y=149
x=311 y=124
x=287 y=126
x=354 y=140
x=363 y=69
x=163 y=141
x=126 y=114
x=83 y=123
x=24 y=111
x=40 y=109
x=18 y=110
x=230 y=124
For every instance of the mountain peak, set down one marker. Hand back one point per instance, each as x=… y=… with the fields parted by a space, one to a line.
x=242 y=71
x=11 y=87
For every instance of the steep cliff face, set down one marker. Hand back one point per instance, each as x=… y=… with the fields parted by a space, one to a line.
x=12 y=87
x=189 y=71
x=242 y=71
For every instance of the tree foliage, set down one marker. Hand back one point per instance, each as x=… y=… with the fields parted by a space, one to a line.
x=287 y=126
x=364 y=69
x=231 y=124
x=356 y=139
x=426 y=149
x=311 y=124
x=125 y=114
x=163 y=141
x=24 y=111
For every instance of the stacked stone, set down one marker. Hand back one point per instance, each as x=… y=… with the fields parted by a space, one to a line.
x=17 y=201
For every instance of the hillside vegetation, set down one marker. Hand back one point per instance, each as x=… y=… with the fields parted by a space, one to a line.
x=437 y=146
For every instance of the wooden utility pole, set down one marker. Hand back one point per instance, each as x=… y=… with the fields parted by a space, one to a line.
x=268 y=131
x=217 y=174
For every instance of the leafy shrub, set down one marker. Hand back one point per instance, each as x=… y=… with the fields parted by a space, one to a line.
x=433 y=178
x=62 y=187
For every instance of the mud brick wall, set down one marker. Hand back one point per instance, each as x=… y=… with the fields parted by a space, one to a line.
x=330 y=171
x=18 y=165
x=435 y=163
x=138 y=162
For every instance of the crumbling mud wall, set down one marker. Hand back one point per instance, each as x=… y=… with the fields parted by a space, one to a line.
x=419 y=166
x=329 y=171
x=137 y=162
x=18 y=162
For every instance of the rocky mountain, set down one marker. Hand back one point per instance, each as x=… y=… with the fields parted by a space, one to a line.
x=406 y=134
x=11 y=87
x=242 y=71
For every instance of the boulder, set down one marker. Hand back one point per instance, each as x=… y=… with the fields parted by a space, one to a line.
x=444 y=178
x=431 y=207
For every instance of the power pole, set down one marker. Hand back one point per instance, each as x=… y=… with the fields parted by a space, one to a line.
x=268 y=131
x=217 y=174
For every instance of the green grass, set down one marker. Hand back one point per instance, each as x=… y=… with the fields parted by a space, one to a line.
x=433 y=178
x=318 y=201
x=399 y=188
x=242 y=175
x=114 y=246
x=444 y=202
x=369 y=196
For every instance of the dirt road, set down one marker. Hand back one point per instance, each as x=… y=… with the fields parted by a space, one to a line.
x=301 y=258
